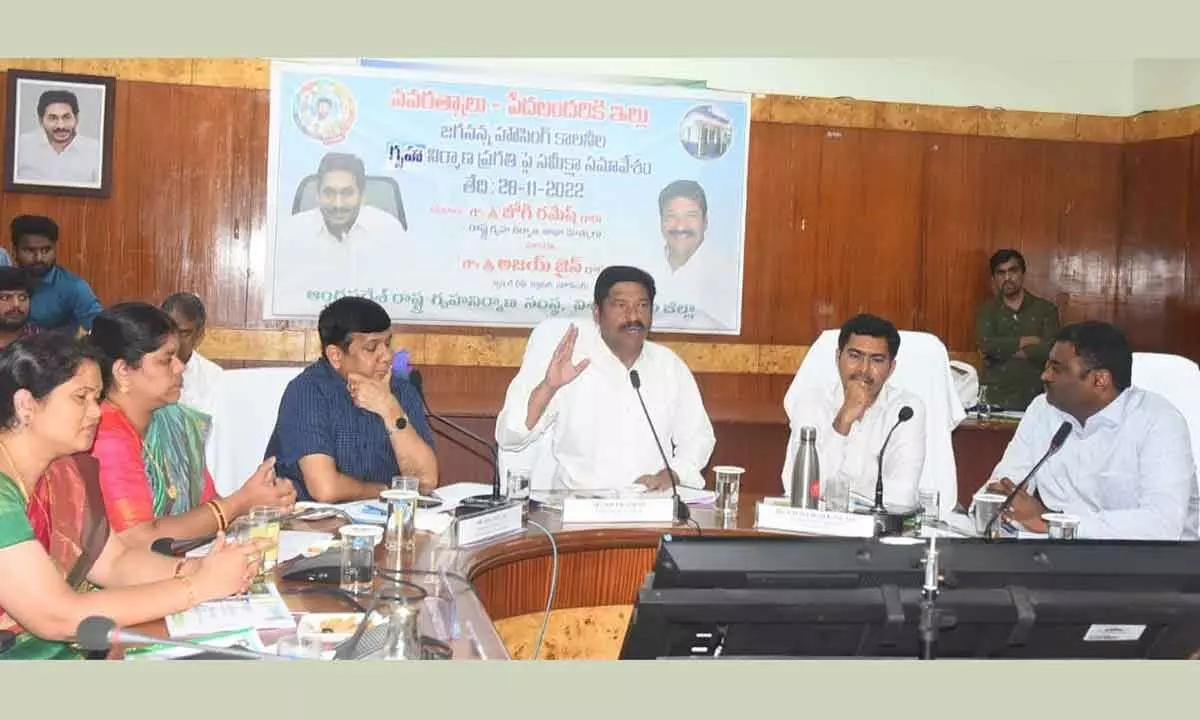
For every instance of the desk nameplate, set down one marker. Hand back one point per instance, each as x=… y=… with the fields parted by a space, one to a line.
x=488 y=524
x=618 y=511
x=773 y=516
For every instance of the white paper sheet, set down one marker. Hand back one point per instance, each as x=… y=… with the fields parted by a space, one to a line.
x=262 y=611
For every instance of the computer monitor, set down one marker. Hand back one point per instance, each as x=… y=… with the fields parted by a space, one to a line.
x=776 y=596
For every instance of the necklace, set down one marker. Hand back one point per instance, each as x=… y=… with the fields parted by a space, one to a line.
x=19 y=480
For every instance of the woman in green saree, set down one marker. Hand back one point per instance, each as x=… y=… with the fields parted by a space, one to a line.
x=151 y=447
x=55 y=545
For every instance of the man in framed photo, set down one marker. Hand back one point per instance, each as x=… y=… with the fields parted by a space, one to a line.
x=55 y=152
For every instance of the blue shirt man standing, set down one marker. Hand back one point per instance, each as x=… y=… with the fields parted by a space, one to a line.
x=61 y=300
x=347 y=424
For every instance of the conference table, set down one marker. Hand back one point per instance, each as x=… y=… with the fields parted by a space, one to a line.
x=501 y=605
x=599 y=572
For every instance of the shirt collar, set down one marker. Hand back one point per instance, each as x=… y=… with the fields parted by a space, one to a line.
x=362 y=224
x=692 y=261
x=601 y=348
x=1111 y=415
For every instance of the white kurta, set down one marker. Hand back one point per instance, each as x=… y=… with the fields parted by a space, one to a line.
x=856 y=454
x=598 y=434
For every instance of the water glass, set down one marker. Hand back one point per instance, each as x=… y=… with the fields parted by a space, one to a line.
x=1060 y=526
x=300 y=647
x=928 y=499
x=405 y=482
x=358 y=558
x=264 y=523
x=400 y=530
x=835 y=493
x=518 y=482
x=986 y=506
x=983 y=407
x=728 y=488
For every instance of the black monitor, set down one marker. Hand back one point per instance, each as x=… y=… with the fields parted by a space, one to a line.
x=778 y=596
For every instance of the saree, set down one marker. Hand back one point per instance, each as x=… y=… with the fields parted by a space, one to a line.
x=160 y=475
x=65 y=515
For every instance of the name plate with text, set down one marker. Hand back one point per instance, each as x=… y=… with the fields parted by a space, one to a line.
x=618 y=510
x=488 y=524
x=772 y=516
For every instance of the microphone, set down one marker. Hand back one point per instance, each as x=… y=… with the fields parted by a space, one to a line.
x=906 y=414
x=98 y=634
x=682 y=513
x=1056 y=442
x=174 y=548
x=475 y=501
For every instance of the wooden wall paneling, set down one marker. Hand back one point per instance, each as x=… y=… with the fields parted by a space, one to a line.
x=1082 y=258
x=1187 y=322
x=1153 y=248
x=869 y=226
x=954 y=248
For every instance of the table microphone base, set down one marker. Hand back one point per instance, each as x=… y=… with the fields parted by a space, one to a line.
x=482 y=502
x=892 y=521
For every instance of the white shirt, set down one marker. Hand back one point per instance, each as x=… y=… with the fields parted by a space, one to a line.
x=856 y=454
x=200 y=378
x=309 y=258
x=708 y=282
x=1128 y=474
x=37 y=160
x=598 y=434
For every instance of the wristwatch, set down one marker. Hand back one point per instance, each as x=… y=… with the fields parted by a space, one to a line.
x=400 y=424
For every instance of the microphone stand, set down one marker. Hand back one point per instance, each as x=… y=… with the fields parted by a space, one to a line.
x=497 y=497
x=682 y=513
x=927 y=625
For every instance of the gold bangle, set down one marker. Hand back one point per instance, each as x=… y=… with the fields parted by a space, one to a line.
x=218 y=514
x=187 y=586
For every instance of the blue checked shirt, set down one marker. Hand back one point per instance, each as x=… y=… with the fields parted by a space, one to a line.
x=317 y=416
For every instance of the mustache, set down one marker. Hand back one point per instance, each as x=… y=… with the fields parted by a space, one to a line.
x=635 y=324
x=681 y=233
x=862 y=378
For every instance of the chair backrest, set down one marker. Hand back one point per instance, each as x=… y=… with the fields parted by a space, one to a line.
x=966 y=382
x=245 y=407
x=382 y=192
x=1177 y=379
x=922 y=368
x=536 y=457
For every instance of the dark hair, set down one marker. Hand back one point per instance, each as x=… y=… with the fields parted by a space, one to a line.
x=349 y=315
x=871 y=326
x=614 y=274
x=687 y=189
x=188 y=305
x=1002 y=256
x=129 y=331
x=14 y=278
x=50 y=97
x=24 y=225
x=1101 y=346
x=39 y=364
x=344 y=162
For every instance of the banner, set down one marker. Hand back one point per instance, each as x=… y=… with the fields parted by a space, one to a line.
x=455 y=201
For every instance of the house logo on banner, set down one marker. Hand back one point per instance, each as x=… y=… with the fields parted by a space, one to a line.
x=324 y=110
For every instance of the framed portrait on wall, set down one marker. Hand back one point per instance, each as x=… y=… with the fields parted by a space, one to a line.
x=58 y=133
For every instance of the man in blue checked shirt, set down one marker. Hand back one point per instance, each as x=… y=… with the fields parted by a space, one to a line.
x=347 y=424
